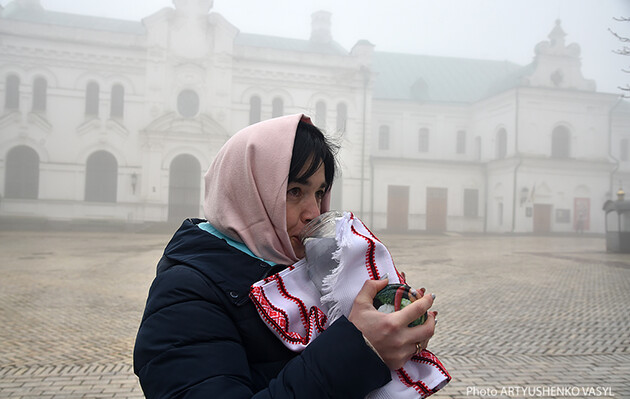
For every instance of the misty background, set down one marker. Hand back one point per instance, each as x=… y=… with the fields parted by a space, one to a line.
x=464 y=116
x=485 y=29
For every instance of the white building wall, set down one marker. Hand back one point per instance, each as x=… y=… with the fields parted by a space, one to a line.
x=204 y=56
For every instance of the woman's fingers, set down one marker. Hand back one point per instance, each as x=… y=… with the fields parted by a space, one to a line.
x=389 y=334
x=414 y=310
x=369 y=290
x=422 y=334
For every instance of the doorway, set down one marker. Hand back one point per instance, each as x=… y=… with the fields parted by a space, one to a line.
x=184 y=188
x=542 y=218
x=437 y=201
x=398 y=208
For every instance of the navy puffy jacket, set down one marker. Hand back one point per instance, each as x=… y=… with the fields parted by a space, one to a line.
x=201 y=336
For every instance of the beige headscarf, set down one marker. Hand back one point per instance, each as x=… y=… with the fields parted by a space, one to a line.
x=246 y=185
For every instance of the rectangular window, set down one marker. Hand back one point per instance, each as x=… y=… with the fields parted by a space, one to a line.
x=461 y=142
x=471 y=203
x=383 y=138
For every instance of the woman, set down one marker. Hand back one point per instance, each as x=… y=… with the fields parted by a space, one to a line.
x=201 y=336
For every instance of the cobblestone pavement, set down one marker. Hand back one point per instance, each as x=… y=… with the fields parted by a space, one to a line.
x=519 y=316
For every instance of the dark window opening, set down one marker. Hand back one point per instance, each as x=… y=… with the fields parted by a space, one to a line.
x=21 y=178
x=383 y=138
x=92 y=99
x=560 y=142
x=254 y=110
x=40 y=88
x=277 y=107
x=117 y=108
x=101 y=177
x=471 y=203
x=12 y=95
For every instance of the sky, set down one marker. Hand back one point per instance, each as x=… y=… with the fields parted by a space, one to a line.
x=484 y=29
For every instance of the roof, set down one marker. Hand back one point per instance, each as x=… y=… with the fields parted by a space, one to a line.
x=617 y=206
x=288 y=44
x=408 y=77
x=438 y=79
x=42 y=16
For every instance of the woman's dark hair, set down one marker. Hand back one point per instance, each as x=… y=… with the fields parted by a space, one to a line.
x=311 y=147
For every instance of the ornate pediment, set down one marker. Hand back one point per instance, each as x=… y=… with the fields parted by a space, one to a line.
x=558 y=65
x=173 y=126
x=103 y=129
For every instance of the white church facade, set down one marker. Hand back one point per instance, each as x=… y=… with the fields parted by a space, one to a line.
x=104 y=119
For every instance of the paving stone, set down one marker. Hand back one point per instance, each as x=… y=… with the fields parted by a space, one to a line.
x=514 y=311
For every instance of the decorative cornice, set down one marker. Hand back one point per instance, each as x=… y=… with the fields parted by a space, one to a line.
x=40 y=121
x=90 y=125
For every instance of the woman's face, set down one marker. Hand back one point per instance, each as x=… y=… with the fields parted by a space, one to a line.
x=304 y=203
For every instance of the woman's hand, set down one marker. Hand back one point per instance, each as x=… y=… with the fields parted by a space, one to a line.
x=389 y=333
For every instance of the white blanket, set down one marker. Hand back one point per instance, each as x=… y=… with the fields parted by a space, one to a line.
x=293 y=308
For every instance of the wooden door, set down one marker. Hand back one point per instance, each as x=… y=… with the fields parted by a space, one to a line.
x=184 y=188
x=581 y=214
x=436 y=209
x=398 y=208
x=542 y=218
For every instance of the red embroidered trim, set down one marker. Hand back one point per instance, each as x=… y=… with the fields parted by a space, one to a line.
x=370 y=261
x=418 y=386
x=278 y=319
x=428 y=357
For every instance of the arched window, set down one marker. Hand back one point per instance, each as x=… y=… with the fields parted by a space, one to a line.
x=560 y=142
x=383 y=138
x=342 y=117
x=12 y=95
x=320 y=114
x=21 y=176
x=501 y=144
x=423 y=140
x=254 y=109
x=277 y=107
x=117 y=106
x=40 y=89
x=101 y=177
x=92 y=99
x=188 y=103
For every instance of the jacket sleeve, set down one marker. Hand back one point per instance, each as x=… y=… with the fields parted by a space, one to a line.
x=189 y=347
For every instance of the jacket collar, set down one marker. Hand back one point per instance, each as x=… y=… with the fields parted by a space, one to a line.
x=232 y=270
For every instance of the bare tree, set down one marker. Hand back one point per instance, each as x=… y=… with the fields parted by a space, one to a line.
x=624 y=50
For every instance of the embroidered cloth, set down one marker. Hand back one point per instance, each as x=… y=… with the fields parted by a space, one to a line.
x=296 y=311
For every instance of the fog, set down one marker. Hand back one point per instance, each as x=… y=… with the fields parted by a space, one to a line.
x=486 y=29
x=455 y=147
